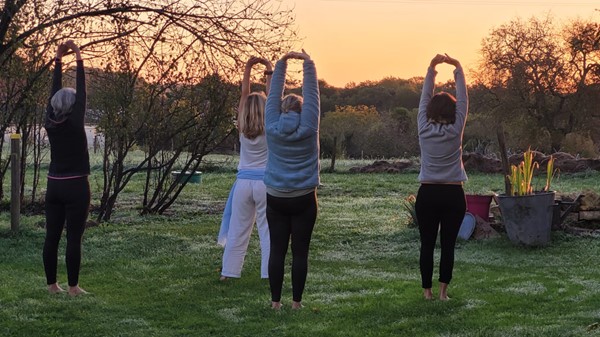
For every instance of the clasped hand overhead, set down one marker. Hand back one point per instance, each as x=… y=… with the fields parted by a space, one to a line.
x=297 y=55
x=439 y=58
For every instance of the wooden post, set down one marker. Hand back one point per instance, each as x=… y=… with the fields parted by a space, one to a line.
x=504 y=156
x=15 y=181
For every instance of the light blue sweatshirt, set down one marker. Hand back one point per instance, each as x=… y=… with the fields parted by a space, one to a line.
x=293 y=137
x=441 y=144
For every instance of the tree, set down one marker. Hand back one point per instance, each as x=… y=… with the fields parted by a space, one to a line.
x=582 y=40
x=399 y=127
x=200 y=121
x=543 y=77
x=344 y=130
x=20 y=96
x=175 y=121
x=583 y=47
x=523 y=61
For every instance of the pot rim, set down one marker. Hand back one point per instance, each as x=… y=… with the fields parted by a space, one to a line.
x=537 y=193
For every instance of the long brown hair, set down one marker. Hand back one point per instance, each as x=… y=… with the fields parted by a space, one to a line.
x=442 y=109
x=251 y=119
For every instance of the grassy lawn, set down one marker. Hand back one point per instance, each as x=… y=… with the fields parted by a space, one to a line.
x=158 y=275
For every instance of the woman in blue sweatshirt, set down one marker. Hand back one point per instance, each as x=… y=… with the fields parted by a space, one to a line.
x=68 y=190
x=441 y=201
x=292 y=174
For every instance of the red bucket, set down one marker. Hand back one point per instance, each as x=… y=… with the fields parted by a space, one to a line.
x=479 y=205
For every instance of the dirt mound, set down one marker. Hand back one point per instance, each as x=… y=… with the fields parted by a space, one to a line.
x=479 y=163
x=383 y=166
x=475 y=162
x=564 y=162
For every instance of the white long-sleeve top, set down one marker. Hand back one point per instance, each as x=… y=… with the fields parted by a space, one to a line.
x=253 y=152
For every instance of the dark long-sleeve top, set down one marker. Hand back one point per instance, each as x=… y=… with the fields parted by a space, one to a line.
x=69 y=156
x=293 y=137
x=441 y=144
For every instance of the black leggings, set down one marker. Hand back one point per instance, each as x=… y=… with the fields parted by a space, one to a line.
x=442 y=207
x=66 y=200
x=287 y=217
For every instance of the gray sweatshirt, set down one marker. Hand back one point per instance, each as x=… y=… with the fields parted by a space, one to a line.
x=441 y=144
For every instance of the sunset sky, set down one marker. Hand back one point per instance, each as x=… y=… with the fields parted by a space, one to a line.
x=359 y=40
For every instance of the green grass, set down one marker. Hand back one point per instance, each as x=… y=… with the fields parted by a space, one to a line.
x=158 y=275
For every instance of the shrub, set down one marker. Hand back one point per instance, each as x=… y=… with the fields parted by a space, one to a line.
x=580 y=144
x=408 y=204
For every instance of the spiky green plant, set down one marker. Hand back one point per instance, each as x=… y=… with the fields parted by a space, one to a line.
x=521 y=176
x=409 y=206
x=550 y=173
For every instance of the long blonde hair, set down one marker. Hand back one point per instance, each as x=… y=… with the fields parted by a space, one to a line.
x=251 y=119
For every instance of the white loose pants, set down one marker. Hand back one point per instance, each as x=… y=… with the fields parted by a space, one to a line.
x=249 y=203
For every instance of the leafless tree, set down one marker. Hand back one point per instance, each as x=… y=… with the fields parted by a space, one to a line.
x=582 y=39
x=537 y=76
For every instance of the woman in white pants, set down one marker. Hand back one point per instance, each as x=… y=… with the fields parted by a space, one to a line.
x=247 y=200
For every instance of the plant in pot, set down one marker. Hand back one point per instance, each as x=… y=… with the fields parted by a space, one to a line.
x=527 y=214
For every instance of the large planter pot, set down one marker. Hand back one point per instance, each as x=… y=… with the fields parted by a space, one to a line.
x=528 y=219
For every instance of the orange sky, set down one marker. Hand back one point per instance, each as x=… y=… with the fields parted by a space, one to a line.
x=359 y=40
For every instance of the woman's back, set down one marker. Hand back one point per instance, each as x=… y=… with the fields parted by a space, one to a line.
x=253 y=152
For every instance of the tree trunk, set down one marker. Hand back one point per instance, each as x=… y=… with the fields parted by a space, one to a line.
x=333 y=155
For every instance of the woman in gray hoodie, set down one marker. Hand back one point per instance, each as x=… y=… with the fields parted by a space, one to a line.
x=441 y=201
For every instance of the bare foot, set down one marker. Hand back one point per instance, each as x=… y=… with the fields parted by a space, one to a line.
x=428 y=294
x=76 y=291
x=444 y=291
x=223 y=278
x=296 y=305
x=276 y=305
x=55 y=289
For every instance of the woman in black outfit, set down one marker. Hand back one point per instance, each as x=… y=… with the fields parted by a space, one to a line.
x=68 y=189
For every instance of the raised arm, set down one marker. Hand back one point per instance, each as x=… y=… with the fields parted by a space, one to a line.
x=246 y=82
x=78 y=115
x=311 y=106
x=268 y=74
x=273 y=106
x=80 y=87
x=246 y=87
x=462 y=98
x=57 y=74
x=428 y=87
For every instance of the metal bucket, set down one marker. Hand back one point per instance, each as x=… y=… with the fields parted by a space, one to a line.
x=528 y=218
